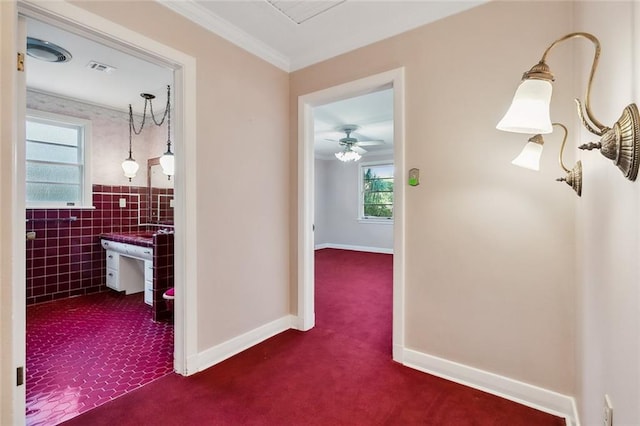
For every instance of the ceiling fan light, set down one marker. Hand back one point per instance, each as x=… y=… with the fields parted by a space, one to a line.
x=347 y=155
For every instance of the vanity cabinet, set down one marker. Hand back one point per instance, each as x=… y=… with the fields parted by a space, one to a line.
x=129 y=268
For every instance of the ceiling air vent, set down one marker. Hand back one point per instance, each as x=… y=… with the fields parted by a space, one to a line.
x=302 y=10
x=97 y=66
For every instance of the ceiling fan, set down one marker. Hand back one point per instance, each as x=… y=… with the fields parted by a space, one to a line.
x=353 y=147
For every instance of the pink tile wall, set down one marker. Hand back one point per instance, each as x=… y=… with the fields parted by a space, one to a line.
x=66 y=258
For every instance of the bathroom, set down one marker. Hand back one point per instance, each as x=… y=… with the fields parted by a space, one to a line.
x=67 y=260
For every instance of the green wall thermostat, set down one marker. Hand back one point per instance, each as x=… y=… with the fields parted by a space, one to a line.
x=414 y=177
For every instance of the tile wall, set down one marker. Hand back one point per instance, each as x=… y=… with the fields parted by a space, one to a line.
x=66 y=258
x=162 y=274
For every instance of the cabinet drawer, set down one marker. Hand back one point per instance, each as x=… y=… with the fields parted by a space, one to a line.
x=112 y=279
x=112 y=259
x=148 y=270
x=148 y=292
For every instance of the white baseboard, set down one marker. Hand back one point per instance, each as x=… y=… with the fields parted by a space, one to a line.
x=219 y=353
x=354 y=248
x=523 y=393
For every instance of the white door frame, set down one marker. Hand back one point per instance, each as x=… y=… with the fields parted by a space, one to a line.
x=306 y=103
x=184 y=66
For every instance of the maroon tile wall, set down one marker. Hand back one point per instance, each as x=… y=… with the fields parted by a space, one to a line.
x=66 y=258
x=163 y=271
x=161 y=210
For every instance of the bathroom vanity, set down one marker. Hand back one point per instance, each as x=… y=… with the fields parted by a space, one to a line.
x=129 y=268
x=141 y=261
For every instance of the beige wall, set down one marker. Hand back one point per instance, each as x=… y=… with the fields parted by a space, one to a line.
x=242 y=173
x=608 y=228
x=7 y=64
x=489 y=247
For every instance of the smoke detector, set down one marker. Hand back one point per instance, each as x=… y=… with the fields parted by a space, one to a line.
x=47 y=51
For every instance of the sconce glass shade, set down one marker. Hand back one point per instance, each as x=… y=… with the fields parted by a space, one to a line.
x=347 y=155
x=167 y=162
x=529 y=110
x=130 y=168
x=529 y=158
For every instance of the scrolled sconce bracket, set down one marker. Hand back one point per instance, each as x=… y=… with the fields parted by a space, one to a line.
x=621 y=143
x=574 y=178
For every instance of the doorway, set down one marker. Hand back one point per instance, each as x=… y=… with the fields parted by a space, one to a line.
x=306 y=197
x=95 y=27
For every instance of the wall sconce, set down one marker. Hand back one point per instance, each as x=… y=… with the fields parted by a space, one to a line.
x=529 y=158
x=529 y=113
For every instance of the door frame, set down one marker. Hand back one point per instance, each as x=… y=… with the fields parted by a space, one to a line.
x=306 y=198
x=93 y=26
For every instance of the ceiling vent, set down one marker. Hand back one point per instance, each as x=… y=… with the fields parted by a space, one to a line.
x=46 y=51
x=303 y=10
x=97 y=66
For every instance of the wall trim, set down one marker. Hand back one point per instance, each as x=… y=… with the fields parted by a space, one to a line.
x=523 y=393
x=354 y=248
x=235 y=345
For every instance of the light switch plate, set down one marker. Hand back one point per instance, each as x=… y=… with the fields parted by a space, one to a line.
x=123 y=202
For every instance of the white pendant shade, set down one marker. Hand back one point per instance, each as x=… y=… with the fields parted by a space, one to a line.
x=130 y=167
x=167 y=163
x=529 y=158
x=529 y=111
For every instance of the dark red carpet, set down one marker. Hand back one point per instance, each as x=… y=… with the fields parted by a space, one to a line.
x=339 y=373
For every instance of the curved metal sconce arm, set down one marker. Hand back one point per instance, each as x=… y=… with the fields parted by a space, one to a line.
x=587 y=98
x=621 y=142
x=573 y=177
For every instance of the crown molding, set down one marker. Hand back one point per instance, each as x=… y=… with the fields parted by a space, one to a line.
x=212 y=22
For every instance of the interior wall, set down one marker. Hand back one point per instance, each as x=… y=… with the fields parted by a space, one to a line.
x=608 y=225
x=8 y=339
x=338 y=213
x=242 y=173
x=321 y=187
x=109 y=137
x=490 y=248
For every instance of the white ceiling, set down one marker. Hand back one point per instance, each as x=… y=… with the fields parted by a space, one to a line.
x=73 y=79
x=260 y=27
x=264 y=30
x=373 y=113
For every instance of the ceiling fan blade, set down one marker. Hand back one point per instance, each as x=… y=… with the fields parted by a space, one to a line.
x=358 y=149
x=370 y=143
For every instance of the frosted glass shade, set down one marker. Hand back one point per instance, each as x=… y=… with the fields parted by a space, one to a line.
x=347 y=155
x=529 y=110
x=167 y=162
x=130 y=168
x=529 y=158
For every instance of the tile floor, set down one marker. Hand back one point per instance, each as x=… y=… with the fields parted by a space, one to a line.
x=87 y=350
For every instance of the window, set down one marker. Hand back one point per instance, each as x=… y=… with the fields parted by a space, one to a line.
x=57 y=159
x=376 y=200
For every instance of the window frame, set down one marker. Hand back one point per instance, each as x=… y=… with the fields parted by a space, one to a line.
x=84 y=147
x=361 y=169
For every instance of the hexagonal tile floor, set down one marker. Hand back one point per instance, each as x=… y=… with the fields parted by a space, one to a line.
x=87 y=350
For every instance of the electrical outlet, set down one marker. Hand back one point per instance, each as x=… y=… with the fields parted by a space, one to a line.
x=123 y=202
x=608 y=412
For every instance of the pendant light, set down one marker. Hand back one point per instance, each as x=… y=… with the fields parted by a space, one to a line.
x=129 y=166
x=167 y=161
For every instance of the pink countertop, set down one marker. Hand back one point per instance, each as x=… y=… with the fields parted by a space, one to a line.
x=138 y=238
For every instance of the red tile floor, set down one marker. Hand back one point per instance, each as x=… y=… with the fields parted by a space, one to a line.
x=87 y=350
